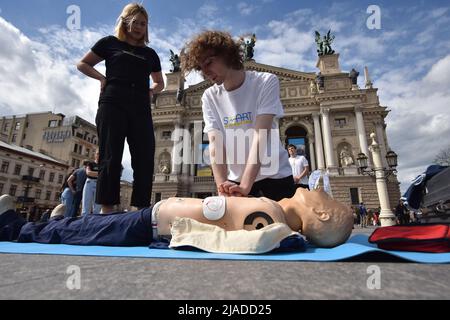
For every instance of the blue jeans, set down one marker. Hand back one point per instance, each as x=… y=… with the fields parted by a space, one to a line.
x=67 y=200
x=88 y=204
x=76 y=204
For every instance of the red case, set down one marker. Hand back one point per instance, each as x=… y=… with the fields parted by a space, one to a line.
x=419 y=238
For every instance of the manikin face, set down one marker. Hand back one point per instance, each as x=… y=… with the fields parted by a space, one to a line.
x=322 y=217
x=137 y=28
x=214 y=69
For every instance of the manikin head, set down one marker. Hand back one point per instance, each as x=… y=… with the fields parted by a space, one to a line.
x=325 y=222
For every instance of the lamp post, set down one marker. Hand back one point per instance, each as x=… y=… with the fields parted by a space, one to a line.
x=387 y=217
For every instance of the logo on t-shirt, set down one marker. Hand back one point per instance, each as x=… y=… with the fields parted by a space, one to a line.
x=238 y=120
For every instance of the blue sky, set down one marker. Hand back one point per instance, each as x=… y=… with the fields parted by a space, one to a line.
x=409 y=57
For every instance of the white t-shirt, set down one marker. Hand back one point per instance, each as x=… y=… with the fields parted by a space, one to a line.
x=234 y=113
x=298 y=164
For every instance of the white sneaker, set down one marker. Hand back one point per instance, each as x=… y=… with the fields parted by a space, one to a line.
x=7 y=203
x=58 y=211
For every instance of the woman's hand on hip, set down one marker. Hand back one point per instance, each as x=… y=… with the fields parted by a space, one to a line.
x=102 y=84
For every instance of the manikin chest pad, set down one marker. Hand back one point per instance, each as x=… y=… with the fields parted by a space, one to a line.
x=214 y=208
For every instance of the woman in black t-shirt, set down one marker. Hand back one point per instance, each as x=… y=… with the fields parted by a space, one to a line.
x=124 y=106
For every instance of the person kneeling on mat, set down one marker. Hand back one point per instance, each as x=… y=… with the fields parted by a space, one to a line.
x=324 y=221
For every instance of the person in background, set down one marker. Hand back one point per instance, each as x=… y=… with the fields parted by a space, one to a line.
x=363 y=215
x=90 y=187
x=400 y=211
x=76 y=184
x=66 y=197
x=300 y=167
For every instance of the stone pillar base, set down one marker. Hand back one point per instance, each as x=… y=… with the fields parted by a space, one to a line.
x=351 y=171
x=387 y=218
x=160 y=177
x=333 y=171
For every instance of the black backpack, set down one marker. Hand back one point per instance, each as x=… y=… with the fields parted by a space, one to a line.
x=436 y=201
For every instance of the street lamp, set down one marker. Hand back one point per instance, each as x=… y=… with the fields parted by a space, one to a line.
x=391 y=158
x=380 y=173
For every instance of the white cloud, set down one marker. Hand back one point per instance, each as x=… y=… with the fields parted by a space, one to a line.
x=419 y=123
x=246 y=9
x=208 y=10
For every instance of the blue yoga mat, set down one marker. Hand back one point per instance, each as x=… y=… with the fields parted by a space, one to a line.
x=356 y=246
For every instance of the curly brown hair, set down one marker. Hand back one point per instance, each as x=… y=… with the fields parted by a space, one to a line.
x=212 y=43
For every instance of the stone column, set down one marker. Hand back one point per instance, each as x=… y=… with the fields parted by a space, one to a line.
x=318 y=142
x=387 y=217
x=187 y=150
x=328 y=140
x=176 y=150
x=361 y=130
x=312 y=165
x=380 y=134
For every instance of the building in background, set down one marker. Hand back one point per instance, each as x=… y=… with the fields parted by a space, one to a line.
x=68 y=139
x=33 y=178
x=327 y=115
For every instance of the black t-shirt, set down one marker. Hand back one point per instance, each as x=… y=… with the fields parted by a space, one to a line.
x=126 y=63
x=93 y=167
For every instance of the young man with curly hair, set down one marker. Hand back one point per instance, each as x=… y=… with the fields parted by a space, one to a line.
x=240 y=102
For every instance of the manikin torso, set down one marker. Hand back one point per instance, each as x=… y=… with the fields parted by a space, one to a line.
x=240 y=213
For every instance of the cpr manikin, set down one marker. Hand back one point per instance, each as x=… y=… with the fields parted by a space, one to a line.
x=323 y=220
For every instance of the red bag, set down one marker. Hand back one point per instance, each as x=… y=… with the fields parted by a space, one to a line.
x=420 y=238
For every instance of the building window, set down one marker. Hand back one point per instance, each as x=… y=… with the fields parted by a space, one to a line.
x=166 y=134
x=48 y=195
x=30 y=171
x=157 y=197
x=13 y=190
x=5 y=167
x=60 y=179
x=75 y=148
x=51 y=178
x=17 y=126
x=340 y=122
x=2 y=185
x=56 y=196
x=53 y=123
x=38 y=194
x=354 y=195
x=42 y=174
x=14 y=138
x=6 y=127
x=17 y=170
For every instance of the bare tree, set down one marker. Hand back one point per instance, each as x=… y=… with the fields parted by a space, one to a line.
x=443 y=157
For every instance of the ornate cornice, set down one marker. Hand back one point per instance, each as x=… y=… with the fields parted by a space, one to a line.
x=280 y=72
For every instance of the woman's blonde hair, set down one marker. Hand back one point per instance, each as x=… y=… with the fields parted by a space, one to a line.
x=128 y=15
